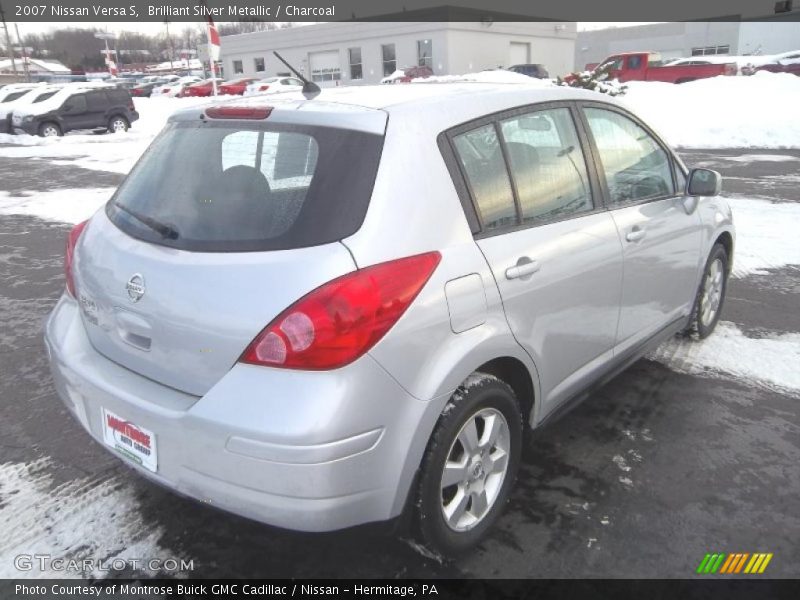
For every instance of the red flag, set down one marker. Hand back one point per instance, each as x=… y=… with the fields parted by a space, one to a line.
x=213 y=40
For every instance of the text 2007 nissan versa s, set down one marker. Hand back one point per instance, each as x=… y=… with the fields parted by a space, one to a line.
x=272 y=316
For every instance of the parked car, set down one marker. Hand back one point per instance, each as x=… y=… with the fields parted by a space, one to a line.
x=174 y=89
x=245 y=326
x=75 y=108
x=408 y=74
x=145 y=90
x=236 y=87
x=14 y=91
x=532 y=70
x=32 y=96
x=202 y=88
x=647 y=66
x=271 y=85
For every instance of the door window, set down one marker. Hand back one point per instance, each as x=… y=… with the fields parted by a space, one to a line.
x=636 y=167
x=96 y=102
x=481 y=158
x=76 y=105
x=547 y=165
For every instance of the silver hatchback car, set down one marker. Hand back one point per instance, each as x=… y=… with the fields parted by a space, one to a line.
x=321 y=313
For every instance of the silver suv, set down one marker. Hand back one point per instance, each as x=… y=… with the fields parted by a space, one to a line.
x=320 y=313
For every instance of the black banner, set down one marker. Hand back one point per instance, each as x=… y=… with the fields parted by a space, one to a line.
x=113 y=11
x=438 y=589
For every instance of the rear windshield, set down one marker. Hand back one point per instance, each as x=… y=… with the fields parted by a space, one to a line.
x=219 y=187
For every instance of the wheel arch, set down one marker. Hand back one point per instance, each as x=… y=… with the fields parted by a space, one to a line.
x=726 y=239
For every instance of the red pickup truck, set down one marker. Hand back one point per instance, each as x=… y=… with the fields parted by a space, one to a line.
x=646 y=66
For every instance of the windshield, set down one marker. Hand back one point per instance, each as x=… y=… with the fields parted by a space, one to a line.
x=225 y=187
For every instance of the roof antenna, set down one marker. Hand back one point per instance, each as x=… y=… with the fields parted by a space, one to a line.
x=310 y=89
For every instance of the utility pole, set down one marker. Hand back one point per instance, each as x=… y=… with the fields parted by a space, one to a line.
x=172 y=48
x=8 y=40
x=24 y=54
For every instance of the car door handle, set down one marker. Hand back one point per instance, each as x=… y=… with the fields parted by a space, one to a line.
x=635 y=234
x=523 y=268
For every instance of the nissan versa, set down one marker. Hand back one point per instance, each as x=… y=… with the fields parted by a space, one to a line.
x=323 y=312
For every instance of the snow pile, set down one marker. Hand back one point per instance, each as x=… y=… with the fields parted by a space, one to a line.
x=768 y=361
x=66 y=206
x=722 y=112
x=766 y=235
x=496 y=76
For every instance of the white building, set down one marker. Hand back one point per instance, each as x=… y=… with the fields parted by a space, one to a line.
x=678 y=40
x=36 y=66
x=365 y=52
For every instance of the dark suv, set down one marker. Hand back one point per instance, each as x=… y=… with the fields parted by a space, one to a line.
x=70 y=109
x=537 y=71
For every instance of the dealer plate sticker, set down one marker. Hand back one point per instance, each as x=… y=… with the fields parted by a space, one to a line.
x=133 y=442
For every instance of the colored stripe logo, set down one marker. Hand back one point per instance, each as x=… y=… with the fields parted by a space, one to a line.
x=734 y=564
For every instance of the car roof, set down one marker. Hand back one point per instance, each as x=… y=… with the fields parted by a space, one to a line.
x=442 y=104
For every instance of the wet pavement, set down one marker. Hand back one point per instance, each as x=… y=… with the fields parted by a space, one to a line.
x=641 y=480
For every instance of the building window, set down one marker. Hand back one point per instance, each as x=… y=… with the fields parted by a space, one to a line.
x=389 y=59
x=237 y=67
x=259 y=63
x=326 y=74
x=425 y=53
x=356 y=72
x=710 y=50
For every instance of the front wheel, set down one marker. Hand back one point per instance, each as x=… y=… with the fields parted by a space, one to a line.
x=50 y=130
x=470 y=465
x=711 y=295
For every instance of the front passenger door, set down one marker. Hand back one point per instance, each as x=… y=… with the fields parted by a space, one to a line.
x=73 y=113
x=660 y=232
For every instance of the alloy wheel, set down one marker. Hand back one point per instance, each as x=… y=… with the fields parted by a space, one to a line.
x=712 y=292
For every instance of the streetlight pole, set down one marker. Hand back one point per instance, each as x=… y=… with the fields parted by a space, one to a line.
x=8 y=40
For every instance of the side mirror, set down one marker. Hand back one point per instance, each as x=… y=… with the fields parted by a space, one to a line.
x=704 y=182
x=68 y=108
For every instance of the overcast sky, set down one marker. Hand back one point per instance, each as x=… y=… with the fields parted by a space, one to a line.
x=25 y=28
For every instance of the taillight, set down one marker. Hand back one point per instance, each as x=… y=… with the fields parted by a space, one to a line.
x=341 y=320
x=263 y=88
x=69 y=255
x=239 y=112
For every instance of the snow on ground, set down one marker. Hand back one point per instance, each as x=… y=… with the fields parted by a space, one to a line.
x=770 y=361
x=766 y=235
x=722 y=112
x=66 y=206
x=83 y=518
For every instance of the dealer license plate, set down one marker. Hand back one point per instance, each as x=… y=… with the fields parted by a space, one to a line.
x=133 y=442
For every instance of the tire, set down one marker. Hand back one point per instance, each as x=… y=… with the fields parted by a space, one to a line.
x=50 y=130
x=482 y=405
x=710 y=295
x=118 y=124
x=685 y=80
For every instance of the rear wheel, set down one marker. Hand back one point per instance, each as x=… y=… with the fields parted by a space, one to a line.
x=118 y=125
x=470 y=465
x=50 y=130
x=711 y=294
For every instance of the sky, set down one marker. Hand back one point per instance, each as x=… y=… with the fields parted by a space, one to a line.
x=25 y=28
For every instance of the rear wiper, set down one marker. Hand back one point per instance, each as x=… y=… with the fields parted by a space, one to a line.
x=164 y=230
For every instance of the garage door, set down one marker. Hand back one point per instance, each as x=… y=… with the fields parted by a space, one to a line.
x=520 y=53
x=325 y=67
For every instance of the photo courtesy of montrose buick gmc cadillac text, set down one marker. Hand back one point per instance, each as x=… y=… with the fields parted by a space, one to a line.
x=271 y=316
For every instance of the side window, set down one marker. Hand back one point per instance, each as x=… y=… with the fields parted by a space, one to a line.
x=481 y=158
x=681 y=179
x=635 y=165
x=634 y=62
x=547 y=165
x=96 y=101
x=77 y=104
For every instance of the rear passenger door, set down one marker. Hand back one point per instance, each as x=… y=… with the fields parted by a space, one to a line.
x=660 y=231
x=97 y=105
x=553 y=249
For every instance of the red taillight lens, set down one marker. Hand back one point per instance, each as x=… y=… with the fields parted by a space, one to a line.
x=239 y=112
x=342 y=319
x=69 y=255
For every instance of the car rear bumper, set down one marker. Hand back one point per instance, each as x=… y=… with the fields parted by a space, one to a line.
x=305 y=451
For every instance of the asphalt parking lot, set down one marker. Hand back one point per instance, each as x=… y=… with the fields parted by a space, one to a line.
x=641 y=480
